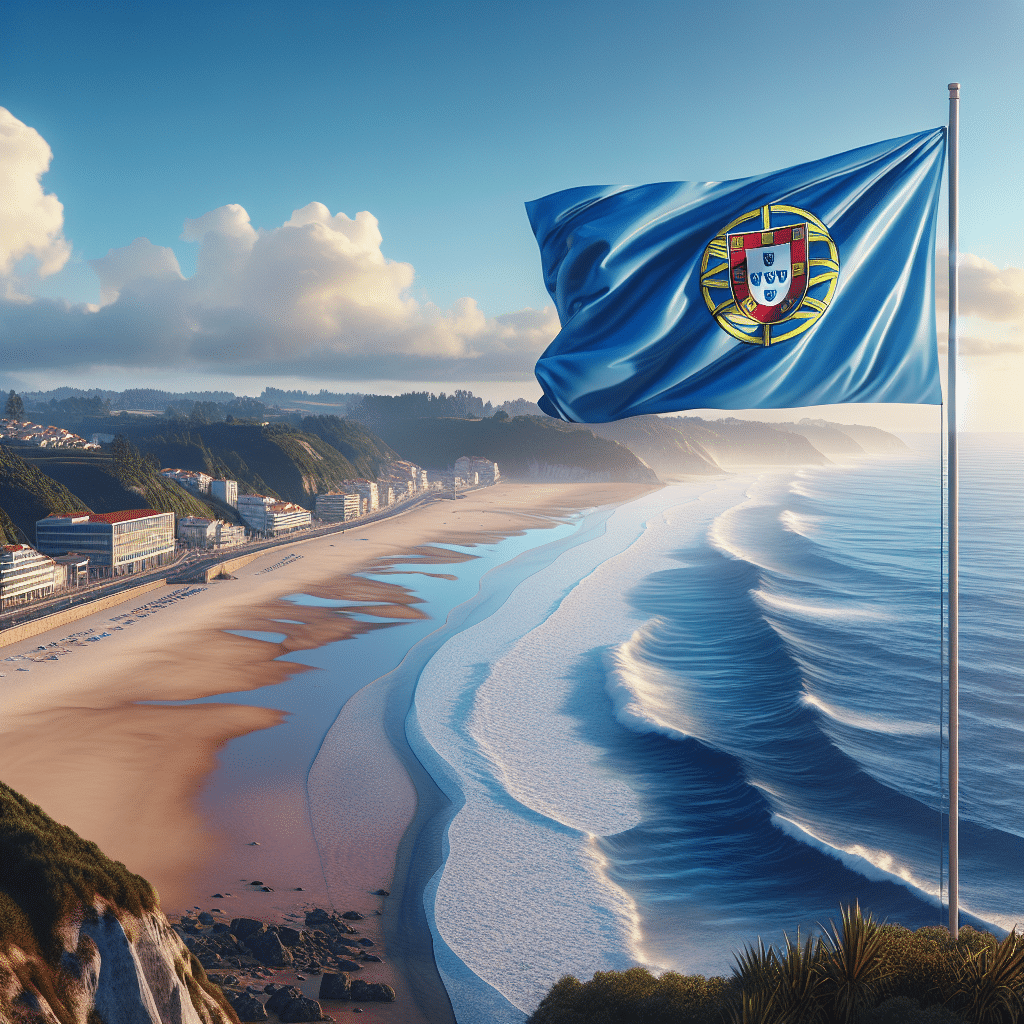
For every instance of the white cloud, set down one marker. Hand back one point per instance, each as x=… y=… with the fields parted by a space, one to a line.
x=315 y=297
x=986 y=292
x=31 y=222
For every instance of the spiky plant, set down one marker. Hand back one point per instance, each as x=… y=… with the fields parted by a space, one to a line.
x=991 y=982
x=801 y=976
x=853 y=964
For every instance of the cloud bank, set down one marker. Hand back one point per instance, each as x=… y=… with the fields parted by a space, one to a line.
x=315 y=297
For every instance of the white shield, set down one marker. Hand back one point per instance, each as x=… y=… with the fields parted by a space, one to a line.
x=769 y=271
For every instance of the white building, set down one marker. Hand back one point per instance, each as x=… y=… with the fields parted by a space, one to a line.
x=226 y=490
x=190 y=479
x=26 y=575
x=116 y=543
x=339 y=505
x=485 y=471
x=197 y=532
x=271 y=516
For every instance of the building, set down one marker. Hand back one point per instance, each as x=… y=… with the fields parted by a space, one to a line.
x=116 y=543
x=486 y=472
x=196 y=532
x=271 y=516
x=26 y=575
x=226 y=490
x=339 y=505
x=190 y=479
x=284 y=517
x=75 y=569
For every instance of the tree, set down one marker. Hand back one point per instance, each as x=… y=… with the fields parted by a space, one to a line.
x=15 y=406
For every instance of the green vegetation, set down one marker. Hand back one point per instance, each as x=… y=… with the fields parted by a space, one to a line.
x=27 y=494
x=857 y=972
x=519 y=446
x=15 y=408
x=50 y=873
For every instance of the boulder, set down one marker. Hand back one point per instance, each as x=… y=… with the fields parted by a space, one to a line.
x=289 y=936
x=366 y=942
x=335 y=986
x=352 y=915
x=269 y=950
x=301 y=1009
x=205 y=918
x=281 y=996
x=347 y=965
x=370 y=958
x=247 y=1006
x=243 y=927
x=371 y=992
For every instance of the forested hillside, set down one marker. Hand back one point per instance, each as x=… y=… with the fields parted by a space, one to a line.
x=27 y=494
x=525 y=447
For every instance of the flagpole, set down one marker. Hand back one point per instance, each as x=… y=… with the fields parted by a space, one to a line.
x=953 y=499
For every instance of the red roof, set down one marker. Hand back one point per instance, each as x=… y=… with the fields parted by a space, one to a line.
x=121 y=517
x=107 y=517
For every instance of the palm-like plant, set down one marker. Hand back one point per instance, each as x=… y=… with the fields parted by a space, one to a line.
x=779 y=989
x=991 y=981
x=852 y=964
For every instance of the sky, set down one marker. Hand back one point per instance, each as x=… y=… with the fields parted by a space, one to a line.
x=214 y=196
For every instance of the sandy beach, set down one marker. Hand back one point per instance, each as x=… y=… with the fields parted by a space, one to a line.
x=200 y=798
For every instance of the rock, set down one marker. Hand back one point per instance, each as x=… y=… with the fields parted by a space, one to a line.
x=289 y=936
x=255 y=883
x=352 y=915
x=371 y=959
x=266 y=888
x=217 y=896
x=220 y=928
x=268 y=949
x=247 y=1006
x=381 y=892
x=205 y=918
x=347 y=965
x=371 y=992
x=335 y=986
x=281 y=996
x=243 y=927
x=341 y=941
x=301 y=1009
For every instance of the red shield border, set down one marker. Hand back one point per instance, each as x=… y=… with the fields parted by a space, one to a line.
x=738 y=244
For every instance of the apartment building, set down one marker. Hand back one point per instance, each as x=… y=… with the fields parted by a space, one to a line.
x=116 y=543
x=26 y=575
x=226 y=491
x=485 y=471
x=271 y=516
x=339 y=505
x=197 y=532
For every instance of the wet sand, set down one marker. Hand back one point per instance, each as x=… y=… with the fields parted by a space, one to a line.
x=140 y=779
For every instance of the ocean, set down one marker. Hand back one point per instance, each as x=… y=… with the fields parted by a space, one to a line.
x=714 y=713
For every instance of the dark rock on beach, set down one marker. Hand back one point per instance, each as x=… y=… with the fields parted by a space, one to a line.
x=335 y=986
x=247 y=1006
x=371 y=992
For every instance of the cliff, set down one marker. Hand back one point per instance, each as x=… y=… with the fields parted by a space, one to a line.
x=82 y=939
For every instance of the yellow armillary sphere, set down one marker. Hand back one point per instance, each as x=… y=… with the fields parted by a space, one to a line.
x=770 y=274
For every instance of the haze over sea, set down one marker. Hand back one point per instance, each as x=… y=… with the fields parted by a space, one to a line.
x=713 y=713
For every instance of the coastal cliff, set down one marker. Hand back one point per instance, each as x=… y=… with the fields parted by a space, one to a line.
x=82 y=939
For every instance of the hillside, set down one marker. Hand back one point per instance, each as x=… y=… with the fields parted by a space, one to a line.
x=734 y=442
x=526 y=447
x=28 y=493
x=75 y=927
x=662 y=444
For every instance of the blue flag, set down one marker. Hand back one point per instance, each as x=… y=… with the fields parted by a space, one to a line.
x=813 y=285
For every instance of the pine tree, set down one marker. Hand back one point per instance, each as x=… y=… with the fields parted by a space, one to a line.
x=15 y=406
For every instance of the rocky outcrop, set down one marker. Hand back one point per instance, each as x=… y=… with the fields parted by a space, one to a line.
x=83 y=939
x=125 y=969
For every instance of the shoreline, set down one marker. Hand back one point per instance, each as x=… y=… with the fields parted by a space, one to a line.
x=163 y=760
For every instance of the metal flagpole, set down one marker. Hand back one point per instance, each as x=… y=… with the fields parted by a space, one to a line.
x=953 y=499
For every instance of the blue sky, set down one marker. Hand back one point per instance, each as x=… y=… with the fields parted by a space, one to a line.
x=440 y=120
